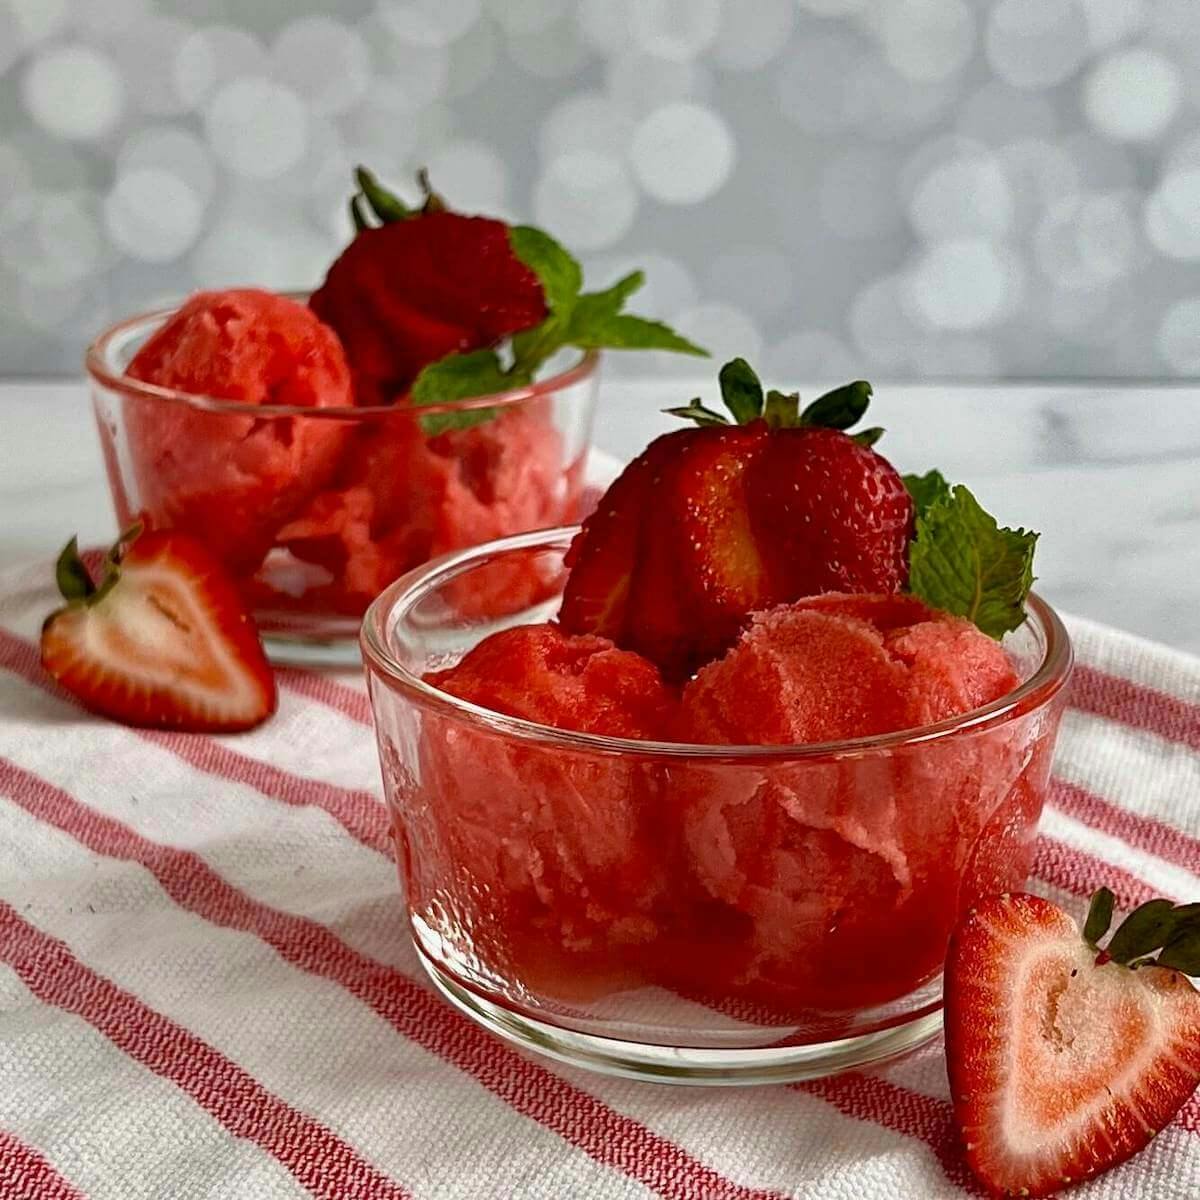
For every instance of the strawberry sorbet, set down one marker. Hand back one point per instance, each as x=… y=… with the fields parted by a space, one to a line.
x=232 y=479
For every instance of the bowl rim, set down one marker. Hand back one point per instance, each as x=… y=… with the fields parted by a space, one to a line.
x=1036 y=692
x=97 y=361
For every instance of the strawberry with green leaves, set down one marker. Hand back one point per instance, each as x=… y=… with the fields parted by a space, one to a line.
x=423 y=298
x=1065 y=1057
x=714 y=523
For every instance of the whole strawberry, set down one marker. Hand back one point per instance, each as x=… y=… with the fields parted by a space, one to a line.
x=423 y=284
x=711 y=524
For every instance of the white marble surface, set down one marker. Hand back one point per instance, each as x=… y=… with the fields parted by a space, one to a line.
x=1110 y=475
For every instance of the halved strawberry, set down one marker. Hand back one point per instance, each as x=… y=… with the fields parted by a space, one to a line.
x=164 y=640
x=1065 y=1059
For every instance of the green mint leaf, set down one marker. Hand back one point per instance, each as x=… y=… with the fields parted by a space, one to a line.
x=782 y=410
x=741 y=391
x=73 y=579
x=1146 y=929
x=840 y=408
x=600 y=306
x=560 y=275
x=460 y=377
x=961 y=561
x=386 y=205
x=625 y=332
x=925 y=489
x=698 y=413
x=1099 y=918
x=868 y=437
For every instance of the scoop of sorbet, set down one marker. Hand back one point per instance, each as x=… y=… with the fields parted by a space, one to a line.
x=232 y=479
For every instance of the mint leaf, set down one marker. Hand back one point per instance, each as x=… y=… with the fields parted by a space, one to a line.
x=840 y=408
x=560 y=275
x=963 y=562
x=925 y=489
x=1182 y=952
x=868 y=437
x=741 y=391
x=627 y=332
x=600 y=306
x=73 y=578
x=1148 y=928
x=1100 y=915
x=460 y=377
x=386 y=205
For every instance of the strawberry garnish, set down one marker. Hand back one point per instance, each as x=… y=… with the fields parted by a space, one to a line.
x=422 y=284
x=714 y=523
x=163 y=640
x=1064 y=1058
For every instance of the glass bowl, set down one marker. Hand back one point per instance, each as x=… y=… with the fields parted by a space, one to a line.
x=314 y=511
x=689 y=913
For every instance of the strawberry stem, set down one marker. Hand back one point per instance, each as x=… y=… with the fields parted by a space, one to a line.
x=71 y=574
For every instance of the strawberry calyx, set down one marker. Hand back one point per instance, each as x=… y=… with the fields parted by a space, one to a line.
x=373 y=200
x=75 y=582
x=743 y=394
x=1157 y=933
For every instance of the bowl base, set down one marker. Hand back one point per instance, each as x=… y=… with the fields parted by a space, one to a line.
x=684 y=1064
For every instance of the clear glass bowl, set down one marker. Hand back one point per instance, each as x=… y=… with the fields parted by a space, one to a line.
x=314 y=511
x=692 y=913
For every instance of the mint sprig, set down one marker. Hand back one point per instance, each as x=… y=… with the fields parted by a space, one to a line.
x=584 y=320
x=963 y=562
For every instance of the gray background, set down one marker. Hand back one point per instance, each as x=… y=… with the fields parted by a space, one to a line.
x=915 y=188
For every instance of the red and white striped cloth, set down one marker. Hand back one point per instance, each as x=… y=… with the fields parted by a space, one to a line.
x=206 y=989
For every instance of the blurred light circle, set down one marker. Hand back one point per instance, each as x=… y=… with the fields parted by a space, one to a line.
x=896 y=105
x=604 y=24
x=1170 y=216
x=152 y=215
x=1039 y=173
x=857 y=193
x=1036 y=43
x=755 y=278
x=10 y=45
x=724 y=330
x=213 y=56
x=37 y=20
x=1112 y=21
x=586 y=121
x=324 y=61
x=928 y=39
x=550 y=53
x=174 y=150
x=965 y=195
x=997 y=113
x=16 y=185
x=472 y=60
x=587 y=200
x=811 y=355
x=639 y=82
x=145 y=55
x=412 y=76
x=1086 y=241
x=880 y=324
x=472 y=175
x=47 y=308
x=682 y=153
x=527 y=16
x=1133 y=95
x=816 y=85
x=1179 y=336
x=751 y=35
x=429 y=22
x=669 y=284
x=73 y=92
x=675 y=29
x=58 y=244
x=256 y=127
x=964 y=284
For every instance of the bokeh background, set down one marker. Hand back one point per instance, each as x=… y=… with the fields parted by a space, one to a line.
x=914 y=188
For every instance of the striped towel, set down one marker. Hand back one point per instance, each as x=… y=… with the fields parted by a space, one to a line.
x=206 y=989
